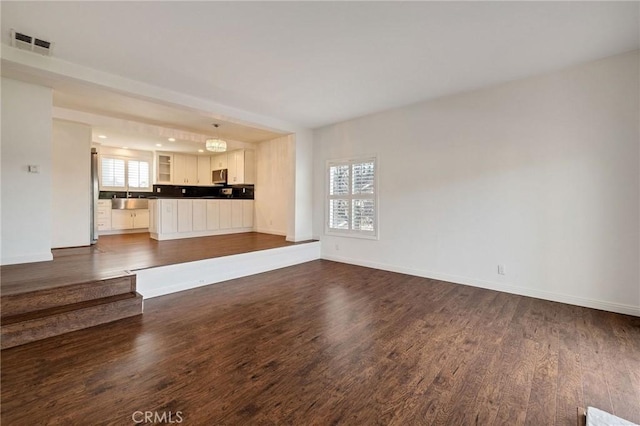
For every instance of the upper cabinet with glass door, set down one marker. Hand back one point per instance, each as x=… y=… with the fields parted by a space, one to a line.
x=165 y=168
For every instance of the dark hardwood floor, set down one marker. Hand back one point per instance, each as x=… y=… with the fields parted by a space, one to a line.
x=329 y=343
x=113 y=255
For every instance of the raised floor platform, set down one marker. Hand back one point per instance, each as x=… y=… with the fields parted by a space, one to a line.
x=86 y=286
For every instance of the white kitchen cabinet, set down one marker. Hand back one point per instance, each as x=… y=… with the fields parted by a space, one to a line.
x=213 y=215
x=140 y=218
x=185 y=215
x=121 y=219
x=241 y=167
x=103 y=215
x=164 y=162
x=204 y=170
x=199 y=215
x=225 y=214
x=185 y=169
x=219 y=161
x=153 y=216
x=236 y=214
x=185 y=218
x=247 y=213
x=168 y=216
x=129 y=219
x=235 y=167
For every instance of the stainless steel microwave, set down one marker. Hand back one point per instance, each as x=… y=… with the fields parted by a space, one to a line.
x=219 y=176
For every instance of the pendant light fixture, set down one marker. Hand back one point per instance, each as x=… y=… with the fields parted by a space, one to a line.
x=216 y=144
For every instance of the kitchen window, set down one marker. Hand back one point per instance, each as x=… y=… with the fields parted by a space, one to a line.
x=138 y=174
x=124 y=174
x=113 y=175
x=352 y=205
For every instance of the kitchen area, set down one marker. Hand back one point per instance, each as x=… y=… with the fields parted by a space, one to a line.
x=166 y=180
x=186 y=183
x=194 y=196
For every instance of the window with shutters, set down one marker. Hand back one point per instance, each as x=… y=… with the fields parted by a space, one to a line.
x=352 y=198
x=124 y=174
x=138 y=174
x=113 y=172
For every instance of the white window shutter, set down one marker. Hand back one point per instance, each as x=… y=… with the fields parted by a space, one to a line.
x=113 y=172
x=124 y=174
x=352 y=202
x=363 y=178
x=138 y=174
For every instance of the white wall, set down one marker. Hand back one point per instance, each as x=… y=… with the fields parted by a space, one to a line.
x=274 y=173
x=300 y=226
x=26 y=197
x=541 y=175
x=71 y=184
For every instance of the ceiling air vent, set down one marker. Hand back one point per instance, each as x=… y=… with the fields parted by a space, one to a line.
x=27 y=42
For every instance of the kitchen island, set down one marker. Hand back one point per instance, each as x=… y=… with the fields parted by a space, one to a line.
x=175 y=218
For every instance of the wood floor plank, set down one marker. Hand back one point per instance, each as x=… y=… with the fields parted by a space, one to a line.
x=592 y=340
x=541 y=409
x=492 y=333
x=516 y=388
x=627 y=332
x=617 y=374
x=569 y=389
x=328 y=343
x=488 y=400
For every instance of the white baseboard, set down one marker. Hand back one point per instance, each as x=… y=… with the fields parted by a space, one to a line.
x=271 y=232
x=123 y=231
x=168 y=279
x=506 y=288
x=195 y=234
x=300 y=238
x=28 y=258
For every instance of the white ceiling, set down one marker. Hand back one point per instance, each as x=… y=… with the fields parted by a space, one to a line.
x=140 y=124
x=125 y=107
x=147 y=136
x=316 y=63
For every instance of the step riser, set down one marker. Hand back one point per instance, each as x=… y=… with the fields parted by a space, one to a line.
x=50 y=298
x=54 y=325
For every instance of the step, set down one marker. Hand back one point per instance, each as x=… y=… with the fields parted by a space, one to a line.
x=167 y=279
x=38 y=300
x=31 y=326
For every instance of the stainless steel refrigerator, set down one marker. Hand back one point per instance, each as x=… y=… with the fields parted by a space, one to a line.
x=95 y=192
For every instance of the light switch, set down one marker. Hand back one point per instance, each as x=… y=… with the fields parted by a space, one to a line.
x=32 y=168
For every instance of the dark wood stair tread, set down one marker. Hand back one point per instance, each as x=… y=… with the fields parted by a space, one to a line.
x=46 y=298
x=29 y=316
x=37 y=325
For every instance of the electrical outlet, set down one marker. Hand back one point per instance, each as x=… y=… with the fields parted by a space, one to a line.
x=502 y=270
x=337 y=247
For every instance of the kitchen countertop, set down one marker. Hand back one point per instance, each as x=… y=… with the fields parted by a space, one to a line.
x=208 y=197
